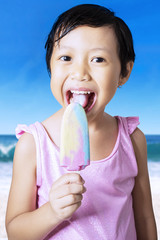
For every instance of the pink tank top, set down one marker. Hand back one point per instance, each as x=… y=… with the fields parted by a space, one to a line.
x=106 y=212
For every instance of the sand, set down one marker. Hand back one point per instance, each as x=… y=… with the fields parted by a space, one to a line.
x=156 y=208
x=3 y=206
x=155 y=199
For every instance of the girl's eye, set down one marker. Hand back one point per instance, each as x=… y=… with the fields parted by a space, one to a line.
x=98 y=60
x=65 y=58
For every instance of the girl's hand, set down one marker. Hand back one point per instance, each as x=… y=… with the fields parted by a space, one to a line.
x=66 y=195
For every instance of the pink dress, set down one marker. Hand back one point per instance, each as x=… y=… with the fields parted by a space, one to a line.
x=106 y=212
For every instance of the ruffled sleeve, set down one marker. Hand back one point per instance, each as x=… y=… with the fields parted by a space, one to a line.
x=20 y=129
x=132 y=123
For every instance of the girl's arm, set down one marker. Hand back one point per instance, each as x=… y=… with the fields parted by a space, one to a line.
x=23 y=220
x=142 y=201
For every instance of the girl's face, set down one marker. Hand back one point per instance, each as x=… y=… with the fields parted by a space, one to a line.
x=85 y=68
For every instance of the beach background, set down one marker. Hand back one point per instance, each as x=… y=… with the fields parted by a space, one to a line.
x=25 y=95
x=7 y=146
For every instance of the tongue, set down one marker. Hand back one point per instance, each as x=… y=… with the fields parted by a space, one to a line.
x=82 y=99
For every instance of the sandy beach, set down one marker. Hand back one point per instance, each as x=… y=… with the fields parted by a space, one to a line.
x=155 y=197
x=3 y=205
x=156 y=207
x=155 y=188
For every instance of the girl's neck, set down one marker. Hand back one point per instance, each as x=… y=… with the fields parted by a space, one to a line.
x=100 y=122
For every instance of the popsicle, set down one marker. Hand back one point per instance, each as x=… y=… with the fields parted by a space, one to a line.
x=74 y=146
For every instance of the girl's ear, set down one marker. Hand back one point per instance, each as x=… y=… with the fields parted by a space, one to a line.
x=123 y=79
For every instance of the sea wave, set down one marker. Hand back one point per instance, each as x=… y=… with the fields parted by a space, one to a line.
x=7 y=152
x=153 y=151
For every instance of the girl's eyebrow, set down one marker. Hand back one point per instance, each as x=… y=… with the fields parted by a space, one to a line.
x=91 y=50
x=101 y=49
x=63 y=47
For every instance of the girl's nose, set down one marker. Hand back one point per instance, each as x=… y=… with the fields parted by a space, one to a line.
x=80 y=72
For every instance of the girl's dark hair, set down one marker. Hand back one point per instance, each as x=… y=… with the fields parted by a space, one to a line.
x=94 y=16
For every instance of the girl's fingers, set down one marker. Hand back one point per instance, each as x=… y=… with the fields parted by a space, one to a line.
x=69 y=210
x=69 y=200
x=66 y=195
x=68 y=189
x=69 y=178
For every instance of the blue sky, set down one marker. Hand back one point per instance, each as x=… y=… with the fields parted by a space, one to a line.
x=25 y=95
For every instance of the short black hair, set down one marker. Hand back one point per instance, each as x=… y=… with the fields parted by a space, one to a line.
x=92 y=15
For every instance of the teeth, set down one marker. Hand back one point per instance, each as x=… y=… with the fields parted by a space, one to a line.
x=80 y=92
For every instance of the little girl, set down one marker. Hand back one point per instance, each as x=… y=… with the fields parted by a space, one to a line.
x=89 y=54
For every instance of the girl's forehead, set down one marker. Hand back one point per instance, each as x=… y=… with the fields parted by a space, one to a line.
x=93 y=36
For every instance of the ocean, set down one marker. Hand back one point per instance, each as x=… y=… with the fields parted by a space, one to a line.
x=7 y=147
x=8 y=143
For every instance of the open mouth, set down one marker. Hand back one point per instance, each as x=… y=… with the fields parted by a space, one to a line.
x=86 y=99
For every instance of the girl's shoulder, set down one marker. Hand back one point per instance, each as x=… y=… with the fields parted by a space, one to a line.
x=25 y=147
x=139 y=141
x=24 y=162
x=140 y=149
x=138 y=135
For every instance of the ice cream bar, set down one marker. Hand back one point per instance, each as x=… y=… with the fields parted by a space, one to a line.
x=74 y=147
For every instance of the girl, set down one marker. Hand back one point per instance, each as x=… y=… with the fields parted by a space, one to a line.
x=89 y=54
